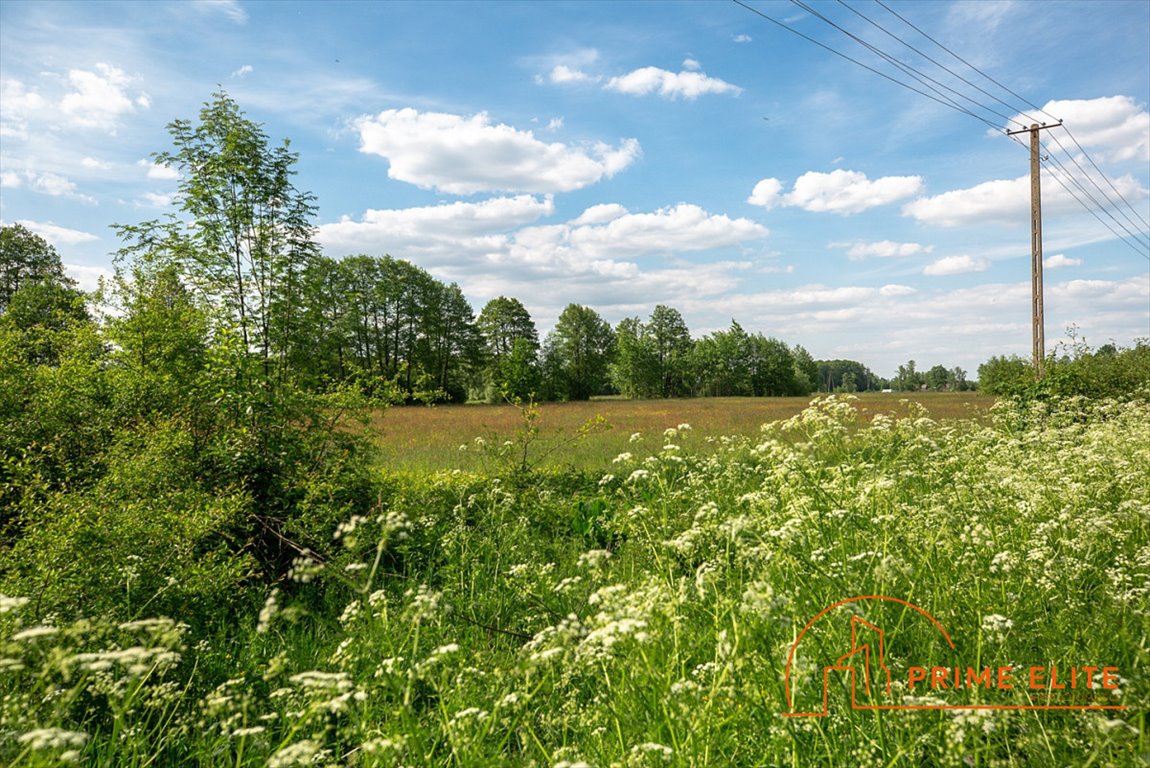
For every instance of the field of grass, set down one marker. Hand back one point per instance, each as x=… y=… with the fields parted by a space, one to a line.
x=645 y=616
x=416 y=438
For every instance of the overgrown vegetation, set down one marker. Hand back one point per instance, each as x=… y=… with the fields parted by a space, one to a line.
x=202 y=562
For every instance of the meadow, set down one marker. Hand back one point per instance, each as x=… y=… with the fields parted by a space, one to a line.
x=428 y=438
x=642 y=614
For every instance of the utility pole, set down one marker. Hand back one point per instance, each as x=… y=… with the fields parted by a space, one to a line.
x=1037 y=317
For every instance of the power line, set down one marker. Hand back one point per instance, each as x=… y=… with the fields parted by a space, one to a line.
x=938 y=64
x=1023 y=99
x=1108 y=181
x=1017 y=96
x=1110 y=203
x=1091 y=211
x=867 y=67
x=947 y=101
x=908 y=69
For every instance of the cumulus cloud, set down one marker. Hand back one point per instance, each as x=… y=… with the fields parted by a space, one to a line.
x=1116 y=126
x=57 y=235
x=463 y=155
x=600 y=214
x=20 y=106
x=498 y=239
x=886 y=249
x=956 y=265
x=561 y=73
x=10 y=179
x=243 y=71
x=99 y=97
x=1004 y=201
x=159 y=172
x=460 y=227
x=687 y=84
x=840 y=191
x=742 y=38
x=895 y=289
x=1060 y=260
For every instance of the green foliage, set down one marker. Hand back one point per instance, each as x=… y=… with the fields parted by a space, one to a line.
x=578 y=354
x=1108 y=371
x=1008 y=376
x=645 y=616
x=27 y=259
x=511 y=344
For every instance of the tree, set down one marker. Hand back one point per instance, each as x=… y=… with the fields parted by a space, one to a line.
x=672 y=348
x=938 y=378
x=636 y=371
x=579 y=352
x=806 y=372
x=1001 y=375
x=26 y=258
x=508 y=330
x=245 y=236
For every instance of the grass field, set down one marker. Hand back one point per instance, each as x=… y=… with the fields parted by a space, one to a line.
x=416 y=438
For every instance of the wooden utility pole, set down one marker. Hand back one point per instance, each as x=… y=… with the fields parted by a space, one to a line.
x=1037 y=317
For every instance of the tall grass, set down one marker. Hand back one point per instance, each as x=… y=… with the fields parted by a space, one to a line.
x=644 y=617
x=423 y=439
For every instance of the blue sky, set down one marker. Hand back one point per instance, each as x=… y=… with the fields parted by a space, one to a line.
x=623 y=155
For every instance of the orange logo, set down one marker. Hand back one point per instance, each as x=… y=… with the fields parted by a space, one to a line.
x=864 y=665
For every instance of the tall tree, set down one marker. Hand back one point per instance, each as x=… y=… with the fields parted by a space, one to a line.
x=580 y=350
x=672 y=346
x=635 y=371
x=512 y=348
x=243 y=233
x=27 y=258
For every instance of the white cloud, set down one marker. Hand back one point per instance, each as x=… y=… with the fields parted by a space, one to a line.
x=99 y=97
x=20 y=106
x=437 y=230
x=766 y=193
x=493 y=247
x=156 y=199
x=840 y=191
x=1114 y=125
x=87 y=277
x=886 y=249
x=243 y=71
x=742 y=38
x=1060 y=260
x=57 y=235
x=159 y=172
x=1004 y=201
x=692 y=65
x=956 y=265
x=669 y=85
x=10 y=179
x=561 y=73
x=554 y=124
x=94 y=164
x=464 y=155
x=680 y=228
x=602 y=213
x=51 y=184
x=894 y=289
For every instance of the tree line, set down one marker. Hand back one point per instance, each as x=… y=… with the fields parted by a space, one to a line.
x=237 y=262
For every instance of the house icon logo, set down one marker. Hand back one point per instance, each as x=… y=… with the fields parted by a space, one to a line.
x=872 y=683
